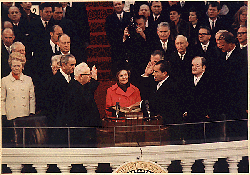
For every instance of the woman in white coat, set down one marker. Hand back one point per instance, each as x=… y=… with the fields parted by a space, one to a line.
x=17 y=94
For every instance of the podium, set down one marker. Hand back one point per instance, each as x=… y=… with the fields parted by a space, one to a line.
x=130 y=129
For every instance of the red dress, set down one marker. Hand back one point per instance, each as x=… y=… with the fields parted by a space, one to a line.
x=126 y=99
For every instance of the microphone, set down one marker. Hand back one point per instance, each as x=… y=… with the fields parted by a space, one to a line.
x=147 y=108
x=117 y=109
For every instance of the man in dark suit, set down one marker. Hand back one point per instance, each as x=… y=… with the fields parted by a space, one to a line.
x=163 y=42
x=55 y=90
x=233 y=80
x=181 y=59
x=5 y=10
x=156 y=17
x=114 y=27
x=7 y=40
x=198 y=99
x=80 y=108
x=242 y=39
x=40 y=27
x=19 y=26
x=214 y=21
x=26 y=12
x=163 y=97
x=207 y=49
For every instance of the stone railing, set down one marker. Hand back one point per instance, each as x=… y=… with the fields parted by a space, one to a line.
x=117 y=156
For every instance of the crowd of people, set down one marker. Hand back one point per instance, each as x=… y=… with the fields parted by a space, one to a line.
x=187 y=59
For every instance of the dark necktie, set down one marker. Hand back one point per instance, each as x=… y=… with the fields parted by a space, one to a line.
x=155 y=18
x=46 y=25
x=212 y=25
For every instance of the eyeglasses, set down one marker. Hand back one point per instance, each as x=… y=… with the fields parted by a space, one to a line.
x=86 y=74
x=241 y=33
x=204 y=34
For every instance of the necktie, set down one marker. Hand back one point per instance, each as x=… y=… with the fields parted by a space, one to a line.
x=155 y=18
x=212 y=25
x=46 y=24
x=120 y=17
x=205 y=48
x=64 y=11
x=8 y=49
x=164 y=47
x=56 y=50
x=195 y=81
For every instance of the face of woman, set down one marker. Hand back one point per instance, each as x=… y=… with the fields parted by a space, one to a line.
x=123 y=77
x=174 y=16
x=192 y=17
x=16 y=67
x=243 y=16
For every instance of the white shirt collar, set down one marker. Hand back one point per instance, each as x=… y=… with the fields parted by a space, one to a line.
x=205 y=45
x=156 y=16
x=182 y=55
x=162 y=43
x=65 y=75
x=229 y=53
x=161 y=82
x=242 y=46
x=120 y=14
x=66 y=53
x=44 y=22
x=7 y=47
x=53 y=45
x=198 y=78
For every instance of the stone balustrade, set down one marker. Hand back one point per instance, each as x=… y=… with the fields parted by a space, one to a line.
x=117 y=156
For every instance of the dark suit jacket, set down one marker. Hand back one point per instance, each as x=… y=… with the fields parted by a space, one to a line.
x=114 y=29
x=80 y=108
x=182 y=27
x=200 y=100
x=39 y=35
x=164 y=101
x=231 y=80
x=54 y=91
x=5 y=68
x=181 y=68
x=153 y=24
x=158 y=46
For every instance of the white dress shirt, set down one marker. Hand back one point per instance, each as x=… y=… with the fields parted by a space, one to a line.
x=229 y=53
x=160 y=83
x=67 y=77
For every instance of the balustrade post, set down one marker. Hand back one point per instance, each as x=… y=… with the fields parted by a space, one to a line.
x=164 y=164
x=187 y=165
x=15 y=168
x=64 y=168
x=233 y=163
x=209 y=165
x=91 y=168
x=41 y=168
x=115 y=166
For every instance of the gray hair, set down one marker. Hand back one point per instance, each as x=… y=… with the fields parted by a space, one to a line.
x=14 y=45
x=65 y=58
x=56 y=58
x=181 y=36
x=164 y=24
x=79 y=69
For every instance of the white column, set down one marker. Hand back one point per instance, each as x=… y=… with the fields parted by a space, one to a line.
x=41 y=168
x=233 y=162
x=64 y=168
x=187 y=165
x=209 y=164
x=15 y=168
x=91 y=168
x=164 y=164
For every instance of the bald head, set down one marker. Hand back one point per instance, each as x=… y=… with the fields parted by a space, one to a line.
x=8 y=37
x=181 y=44
x=144 y=10
x=64 y=44
x=7 y=24
x=14 y=14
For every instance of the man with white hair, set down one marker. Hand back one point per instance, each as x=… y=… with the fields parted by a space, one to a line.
x=181 y=59
x=80 y=108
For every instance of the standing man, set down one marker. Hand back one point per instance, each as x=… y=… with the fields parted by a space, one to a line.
x=181 y=59
x=163 y=42
x=207 y=49
x=7 y=40
x=56 y=88
x=80 y=107
x=198 y=99
x=26 y=12
x=114 y=27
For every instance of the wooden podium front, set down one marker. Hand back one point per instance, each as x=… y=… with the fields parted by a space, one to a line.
x=132 y=129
